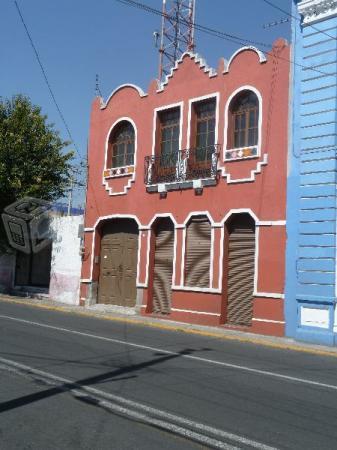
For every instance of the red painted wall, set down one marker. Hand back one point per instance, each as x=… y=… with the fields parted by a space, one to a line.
x=265 y=195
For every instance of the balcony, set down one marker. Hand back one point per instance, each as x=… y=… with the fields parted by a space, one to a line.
x=179 y=170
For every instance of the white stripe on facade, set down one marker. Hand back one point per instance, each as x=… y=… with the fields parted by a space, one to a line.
x=268 y=320
x=195 y=312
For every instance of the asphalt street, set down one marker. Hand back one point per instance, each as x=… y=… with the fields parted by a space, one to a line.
x=69 y=381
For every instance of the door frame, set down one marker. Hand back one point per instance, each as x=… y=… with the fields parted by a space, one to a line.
x=97 y=247
x=227 y=223
x=152 y=250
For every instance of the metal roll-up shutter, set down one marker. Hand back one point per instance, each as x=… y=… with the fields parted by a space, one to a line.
x=198 y=251
x=163 y=267
x=241 y=263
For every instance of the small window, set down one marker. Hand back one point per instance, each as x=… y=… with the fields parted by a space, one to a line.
x=169 y=134
x=122 y=145
x=169 y=131
x=243 y=120
x=204 y=123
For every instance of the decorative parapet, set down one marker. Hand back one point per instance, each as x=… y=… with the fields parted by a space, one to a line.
x=317 y=10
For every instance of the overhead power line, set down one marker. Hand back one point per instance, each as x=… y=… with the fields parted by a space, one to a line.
x=225 y=36
x=196 y=26
x=47 y=81
x=268 y=2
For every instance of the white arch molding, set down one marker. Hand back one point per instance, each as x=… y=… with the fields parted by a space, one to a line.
x=120 y=87
x=237 y=91
x=261 y=56
x=133 y=176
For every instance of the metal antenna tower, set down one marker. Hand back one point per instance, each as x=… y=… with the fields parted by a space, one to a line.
x=177 y=33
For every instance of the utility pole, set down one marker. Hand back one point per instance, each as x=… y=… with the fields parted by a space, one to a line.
x=70 y=195
x=177 y=33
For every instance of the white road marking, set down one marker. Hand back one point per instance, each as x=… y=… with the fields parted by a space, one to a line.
x=190 y=357
x=152 y=416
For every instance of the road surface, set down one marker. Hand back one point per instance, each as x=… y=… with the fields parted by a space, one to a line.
x=69 y=381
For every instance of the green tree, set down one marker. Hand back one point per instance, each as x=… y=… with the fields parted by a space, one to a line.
x=32 y=157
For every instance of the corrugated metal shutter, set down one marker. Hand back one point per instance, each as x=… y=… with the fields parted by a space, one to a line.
x=198 y=251
x=163 y=267
x=241 y=257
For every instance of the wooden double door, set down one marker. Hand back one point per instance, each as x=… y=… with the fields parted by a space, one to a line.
x=118 y=263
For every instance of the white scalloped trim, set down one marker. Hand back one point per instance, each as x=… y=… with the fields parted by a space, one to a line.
x=261 y=55
x=197 y=59
x=122 y=86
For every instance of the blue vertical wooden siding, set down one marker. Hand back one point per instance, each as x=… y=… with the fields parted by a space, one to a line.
x=312 y=176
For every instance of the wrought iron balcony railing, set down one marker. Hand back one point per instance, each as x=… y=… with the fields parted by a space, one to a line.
x=184 y=165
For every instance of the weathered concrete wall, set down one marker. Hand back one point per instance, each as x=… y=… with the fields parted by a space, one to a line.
x=7 y=268
x=66 y=260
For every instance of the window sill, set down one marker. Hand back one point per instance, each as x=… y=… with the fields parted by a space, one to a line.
x=239 y=154
x=117 y=172
x=180 y=185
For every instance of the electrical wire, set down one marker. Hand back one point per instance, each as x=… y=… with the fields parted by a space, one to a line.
x=47 y=81
x=196 y=26
x=74 y=170
x=222 y=35
x=268 y=2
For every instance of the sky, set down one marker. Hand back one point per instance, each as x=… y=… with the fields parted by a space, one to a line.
x=77 y=39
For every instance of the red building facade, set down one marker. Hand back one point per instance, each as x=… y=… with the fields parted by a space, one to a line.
x=185 y=213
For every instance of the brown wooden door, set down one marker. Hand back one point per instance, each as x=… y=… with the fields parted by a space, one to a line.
x=118 y=264
x=163 y=267
x=241 y=264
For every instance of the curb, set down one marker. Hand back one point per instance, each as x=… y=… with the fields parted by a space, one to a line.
x=222 y=334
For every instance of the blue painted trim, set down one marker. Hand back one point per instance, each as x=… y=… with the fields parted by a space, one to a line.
x=316 y=337
x=316 y=305
x=293 y=187
x=316 y=299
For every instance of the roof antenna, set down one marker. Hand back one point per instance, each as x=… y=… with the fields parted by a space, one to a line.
x=156 y=35
x=177 y=33
x=97 y=88
x=276 y=22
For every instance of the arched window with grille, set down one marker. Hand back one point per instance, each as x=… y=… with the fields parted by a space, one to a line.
x=122 y=145
x=243 y=125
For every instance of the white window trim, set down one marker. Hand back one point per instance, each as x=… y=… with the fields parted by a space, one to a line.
x=179 y=105
x=133 y=174
x=183 y=255
x=259 y=142
x=191 y=101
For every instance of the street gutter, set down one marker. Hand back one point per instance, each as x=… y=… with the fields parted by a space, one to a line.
x=280 y=343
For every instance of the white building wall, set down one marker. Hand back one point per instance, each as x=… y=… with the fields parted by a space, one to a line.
x=66 y=260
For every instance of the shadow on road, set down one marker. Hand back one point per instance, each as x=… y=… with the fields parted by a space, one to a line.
x=104 y=377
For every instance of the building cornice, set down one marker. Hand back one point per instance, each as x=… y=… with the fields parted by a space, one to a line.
x=317 y=10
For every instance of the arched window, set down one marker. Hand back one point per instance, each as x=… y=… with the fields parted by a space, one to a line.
x=243 y=129
x=122 y=145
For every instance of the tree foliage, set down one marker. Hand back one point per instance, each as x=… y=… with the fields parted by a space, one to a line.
x=32 y=157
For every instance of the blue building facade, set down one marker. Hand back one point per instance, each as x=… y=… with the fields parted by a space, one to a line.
x=310 y=295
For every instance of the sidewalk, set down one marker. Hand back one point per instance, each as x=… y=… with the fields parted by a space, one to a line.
x=107 y=312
